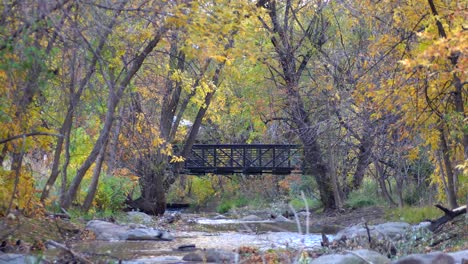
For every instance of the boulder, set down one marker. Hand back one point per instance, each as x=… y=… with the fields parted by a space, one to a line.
x=143 y=234
x=251 y=218
x=11 y=258
x=212 y=256
x=109 y=231
x=391 y=230
x=431 y=258
x=361 y=256
x=139 y=218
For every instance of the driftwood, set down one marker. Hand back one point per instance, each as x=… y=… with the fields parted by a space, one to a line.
x=448 y=216
x=75 y=255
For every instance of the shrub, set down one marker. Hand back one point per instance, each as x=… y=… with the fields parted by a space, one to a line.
x=413 y=214
x=365 y=196
x=224 y=207
x=298 y=203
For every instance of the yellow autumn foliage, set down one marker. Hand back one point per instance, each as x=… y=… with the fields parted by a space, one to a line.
x=25 y=198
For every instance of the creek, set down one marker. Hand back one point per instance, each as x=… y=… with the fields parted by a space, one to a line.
x=207 y=233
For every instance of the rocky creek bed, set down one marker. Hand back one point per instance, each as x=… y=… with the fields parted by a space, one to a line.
x=251 y=238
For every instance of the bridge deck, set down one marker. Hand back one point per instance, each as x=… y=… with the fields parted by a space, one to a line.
x=245 y=158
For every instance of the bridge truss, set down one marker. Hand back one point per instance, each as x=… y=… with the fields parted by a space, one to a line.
x=243 y=158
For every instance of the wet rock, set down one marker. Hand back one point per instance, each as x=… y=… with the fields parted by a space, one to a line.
x=431 y=258
x=362 y=256
x=11 y=258
x=391 y=230
x=139 y=218
x=251 y=218
x=107 y=231
x=211 y=256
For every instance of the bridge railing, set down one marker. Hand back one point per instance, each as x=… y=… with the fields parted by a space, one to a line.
x=245 y=158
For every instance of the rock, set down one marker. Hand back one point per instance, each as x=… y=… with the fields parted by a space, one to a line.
x=107 y=231
x=139 y=218
x=303 y=214
x=281 y=218
x=459 y=256
x=431 y=258
x=391 y=230
x=166 y=236
x=251 y=218
x=362 y=256
x=110 y=231
x=220 y=217
x=422 y=225
x=172 y=218
x=211 y=256
x=152 y=260
x=11 y=258
x=143 y=234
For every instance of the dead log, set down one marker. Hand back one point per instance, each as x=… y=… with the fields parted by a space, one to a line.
x=75 y=255
x=448 y=216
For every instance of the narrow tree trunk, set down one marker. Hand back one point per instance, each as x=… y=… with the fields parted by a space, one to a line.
x=95 y=180
x=114 y=143
x=66 y=126
x=382 y=184
x=450 y=192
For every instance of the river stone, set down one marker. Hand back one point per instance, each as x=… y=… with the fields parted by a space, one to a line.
x=431 y=258
x=160 y=259
x=281 y=218
x=11 y=258
x=251 y=218
x=220 y=217
x=211 y=256
x=392 y=230
x=361 y=256
x=107 y=231
x=139 y=218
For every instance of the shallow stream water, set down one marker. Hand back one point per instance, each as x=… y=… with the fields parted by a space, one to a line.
x=225 y=234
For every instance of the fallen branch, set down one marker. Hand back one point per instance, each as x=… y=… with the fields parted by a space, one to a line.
x=448 y=216
x=76 y=255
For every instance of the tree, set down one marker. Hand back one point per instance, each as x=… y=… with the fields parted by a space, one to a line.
x=296 y=34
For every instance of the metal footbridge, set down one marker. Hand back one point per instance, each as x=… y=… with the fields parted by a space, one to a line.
x=243 y=158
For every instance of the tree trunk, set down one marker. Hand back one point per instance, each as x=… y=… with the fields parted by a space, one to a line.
x=113 y=100
x=95 y=180
x=67 y=124
x=153 y=194
x=382 y=184
x=450 y=191
x=313 y=165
